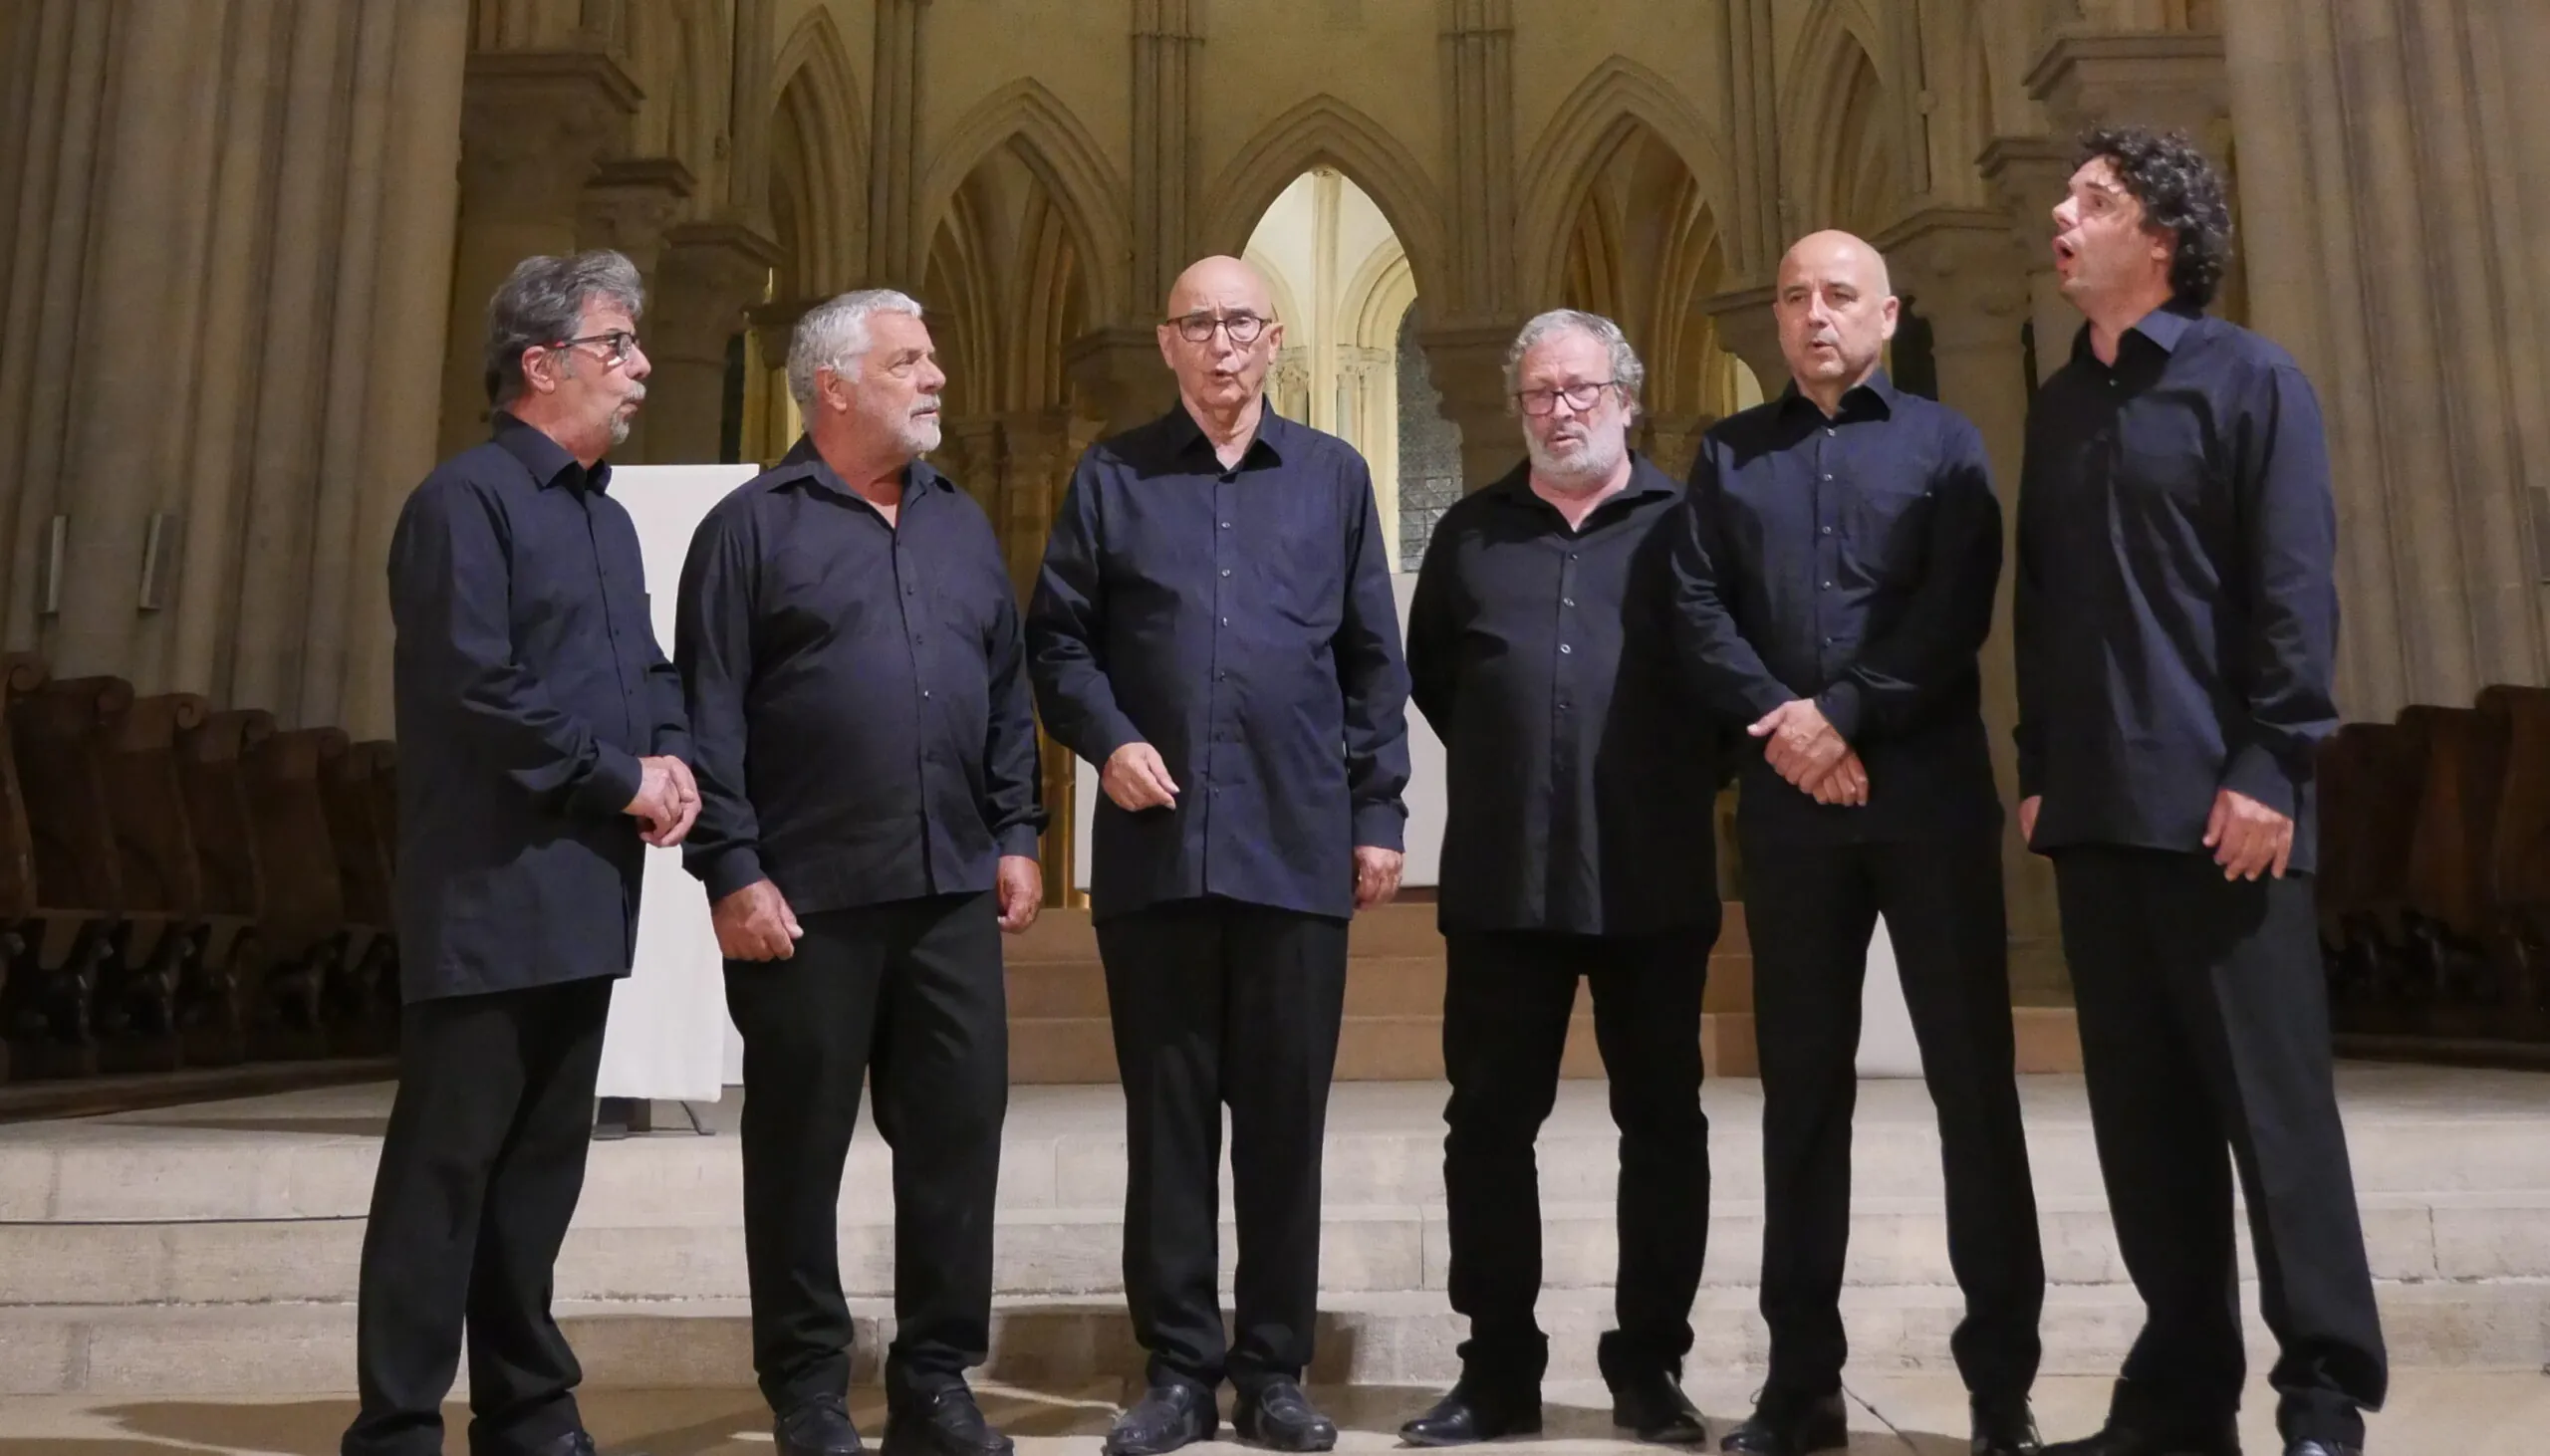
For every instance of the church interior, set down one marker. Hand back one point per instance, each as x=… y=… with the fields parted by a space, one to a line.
x=243 y=284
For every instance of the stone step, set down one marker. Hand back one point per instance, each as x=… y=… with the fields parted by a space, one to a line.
x=1404 y=1339
x=1066 y=1252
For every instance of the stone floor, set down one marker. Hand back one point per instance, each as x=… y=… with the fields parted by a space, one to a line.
x=2432 y=1413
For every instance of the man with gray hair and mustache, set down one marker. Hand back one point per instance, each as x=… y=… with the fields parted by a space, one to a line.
x=1580 y=777
x=542 y=749
x=850 y=643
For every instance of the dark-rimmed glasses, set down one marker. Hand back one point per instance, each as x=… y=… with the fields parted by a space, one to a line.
x=1197 y=328
x=1578 y=398
x=617 y=345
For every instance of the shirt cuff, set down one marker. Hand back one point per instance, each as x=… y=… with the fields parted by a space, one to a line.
x=676 y=743
x=1839 y=705
x=2257 y=773
x=1382 y=826
x=728 y=870
x=1018 y=839
x=615 y=780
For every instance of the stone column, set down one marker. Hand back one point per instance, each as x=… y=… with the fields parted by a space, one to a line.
x=1956 y=264
x=534 y=126
x=897 y=253
x=2028 y=175
x=1758 y=231
x=1467 y=365
x=749 y=102
x=2392 y=155
x=1747 y=329
x=1117 y=377
x=1478 y=122
x=710 y=274
x=628 y=207
x=1168 y=38
x=1673 y=439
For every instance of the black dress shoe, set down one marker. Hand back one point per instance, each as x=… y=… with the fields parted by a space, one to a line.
x=2322 y=1448
x=2005 y=1428
x=573 y=1443
x=820 y=1427
x=1469 y=1414
x=943 y=1422
x=1166 y=1418
x=1789 y=1426
x=2123 y=1440
x=1278 y=1416
x=1654 y=1408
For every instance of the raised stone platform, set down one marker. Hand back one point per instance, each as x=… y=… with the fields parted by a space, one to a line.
x=213 y=1249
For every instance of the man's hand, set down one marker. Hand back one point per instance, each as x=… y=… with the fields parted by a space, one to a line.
x=2028 y=807
x=2247 y=838
x=667 y=800
x=755 y=924
x=1803 y=746
x=1022 y=891
x=1137 y=779
x=1376 y=872
x=1846 y=783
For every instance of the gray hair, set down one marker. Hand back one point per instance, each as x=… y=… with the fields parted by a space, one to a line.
x=834 y=334
x=542 y=301
x=1627 y=372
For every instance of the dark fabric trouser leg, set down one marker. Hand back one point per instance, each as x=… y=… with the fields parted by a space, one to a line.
x=1942 y=907
x=1215 y=1002
x=940 y=1074
x=1809 y=913
x=806 y=1025
x=478 y=1177
x=1506 y=1000
x=2205 y=1022
x=1647 y=1021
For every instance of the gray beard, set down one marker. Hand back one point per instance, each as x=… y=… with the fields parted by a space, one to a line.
x=1590 y=465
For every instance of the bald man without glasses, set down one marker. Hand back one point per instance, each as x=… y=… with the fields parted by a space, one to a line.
x=1213 y=628
x=1834 y=579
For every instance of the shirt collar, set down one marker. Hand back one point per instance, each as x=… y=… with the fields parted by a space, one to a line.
x=545 y=460
x=1274 y=434
x=1875 y=398
x=804 y=462
x=1644 y=481
x=2163 y=328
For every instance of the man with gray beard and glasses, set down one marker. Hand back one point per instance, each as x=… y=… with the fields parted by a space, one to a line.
x=849 y=643
x=1580 y=773
x=542 y=747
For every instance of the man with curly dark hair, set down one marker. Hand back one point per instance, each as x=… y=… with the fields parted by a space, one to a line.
x=2176 y=627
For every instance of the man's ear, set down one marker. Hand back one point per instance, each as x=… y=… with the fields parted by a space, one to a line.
x=1889 y=317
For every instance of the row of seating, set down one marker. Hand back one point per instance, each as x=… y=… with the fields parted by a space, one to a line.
x=2434 y=870
x=184 y=888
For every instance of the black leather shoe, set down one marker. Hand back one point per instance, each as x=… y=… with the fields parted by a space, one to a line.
x=1278 y=1416
x=2322 y=1448
x=1469 y=1414
x=1166 y=1418
x=820 y=1427
x=1654 y=1408
x=573 y=1443
x=2123 y=1440
x=1792 y=1427
x=2005 y=1428
x=943 y=1422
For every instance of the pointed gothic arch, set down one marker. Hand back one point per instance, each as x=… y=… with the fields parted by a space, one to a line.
x=1327 y=132
x=818 y=162
x=1591 y=124
x=1029 y=118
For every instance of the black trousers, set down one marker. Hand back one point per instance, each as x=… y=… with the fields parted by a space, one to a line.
x=478 y=1177
x=908 y=994
x=1811 y=910
x=2204 y=1026
x=1217 y=1003
x=1507 y=996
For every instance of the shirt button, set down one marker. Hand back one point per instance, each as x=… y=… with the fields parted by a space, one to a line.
x=1226 y=621
x=1226 y=524
x=1828 y=641
x=925 y=692
x=1562 y=707
x=1828 y=585
x=1567 y=602
x=1828 y=432
x=1827 y=476
x=1564 y=648
x=1226 y=570
x=1827 y=530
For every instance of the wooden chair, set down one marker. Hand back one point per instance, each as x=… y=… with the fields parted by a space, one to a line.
x=217 y=999
x=68 y=925
x=302 y=929
x=364 y=999
x=2451 y=845
x=2520 y=856
x=161 y=940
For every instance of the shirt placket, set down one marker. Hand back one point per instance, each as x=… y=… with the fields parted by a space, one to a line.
x=623 y=669
x=1221 y=717
x=1827 y=496
x=925 y=750
x=1566 y=681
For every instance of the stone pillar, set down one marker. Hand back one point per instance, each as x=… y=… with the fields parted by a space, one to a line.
x=749 y=102
x=1168 y=38
x=896 y=252
x=2392 y=155
x=534 y=126
x=2028 y=175
x=1749 y=81
x=1673 y=439
x=1956 y=264
x=1747 y=329
x=710 y=274
x=628 y=206
x=1478 y=122
x=1467 y=366
x=1117 y=377
x=2169 y=78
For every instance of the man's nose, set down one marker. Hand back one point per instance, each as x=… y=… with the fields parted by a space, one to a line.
x=637 y=366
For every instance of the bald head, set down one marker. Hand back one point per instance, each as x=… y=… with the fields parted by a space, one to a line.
x=1836 y=311
x=1220 y=337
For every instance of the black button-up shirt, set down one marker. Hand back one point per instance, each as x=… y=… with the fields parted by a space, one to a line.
x=856 y=691
x=1240 y=621
x=529 y=684
x=1581 y=768
x=1851 y=559
x=2177 y=605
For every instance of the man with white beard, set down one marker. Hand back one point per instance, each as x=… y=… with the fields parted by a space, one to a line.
x=849 y=642
x=1581 y=775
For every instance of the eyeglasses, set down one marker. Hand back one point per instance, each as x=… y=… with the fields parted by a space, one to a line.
x=1197 y=328
x=617 y=345
x=1578 y=398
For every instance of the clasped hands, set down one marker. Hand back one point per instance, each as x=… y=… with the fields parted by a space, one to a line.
x=667 y=800
x=1803 y=747
x=1134 y=779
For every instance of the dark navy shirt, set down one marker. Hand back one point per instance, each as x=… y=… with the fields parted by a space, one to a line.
x=858 y=691
x=1851 y=559
x=1582 y=769
x=528 y=685
x=2177 y=606
x=1240 y=621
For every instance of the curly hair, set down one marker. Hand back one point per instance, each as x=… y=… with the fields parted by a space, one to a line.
x=2180 y=192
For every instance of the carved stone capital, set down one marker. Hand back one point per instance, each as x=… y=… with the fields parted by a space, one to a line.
x=2167 y=78
x=1747 y=329
x=628 y=204
x=1466 y=363
x=708 y=274
x=534 y=124
x=1117 y=377
x=2027 y=177
x=1961 y=268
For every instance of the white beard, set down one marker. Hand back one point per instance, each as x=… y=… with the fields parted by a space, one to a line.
x=1588 y=462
